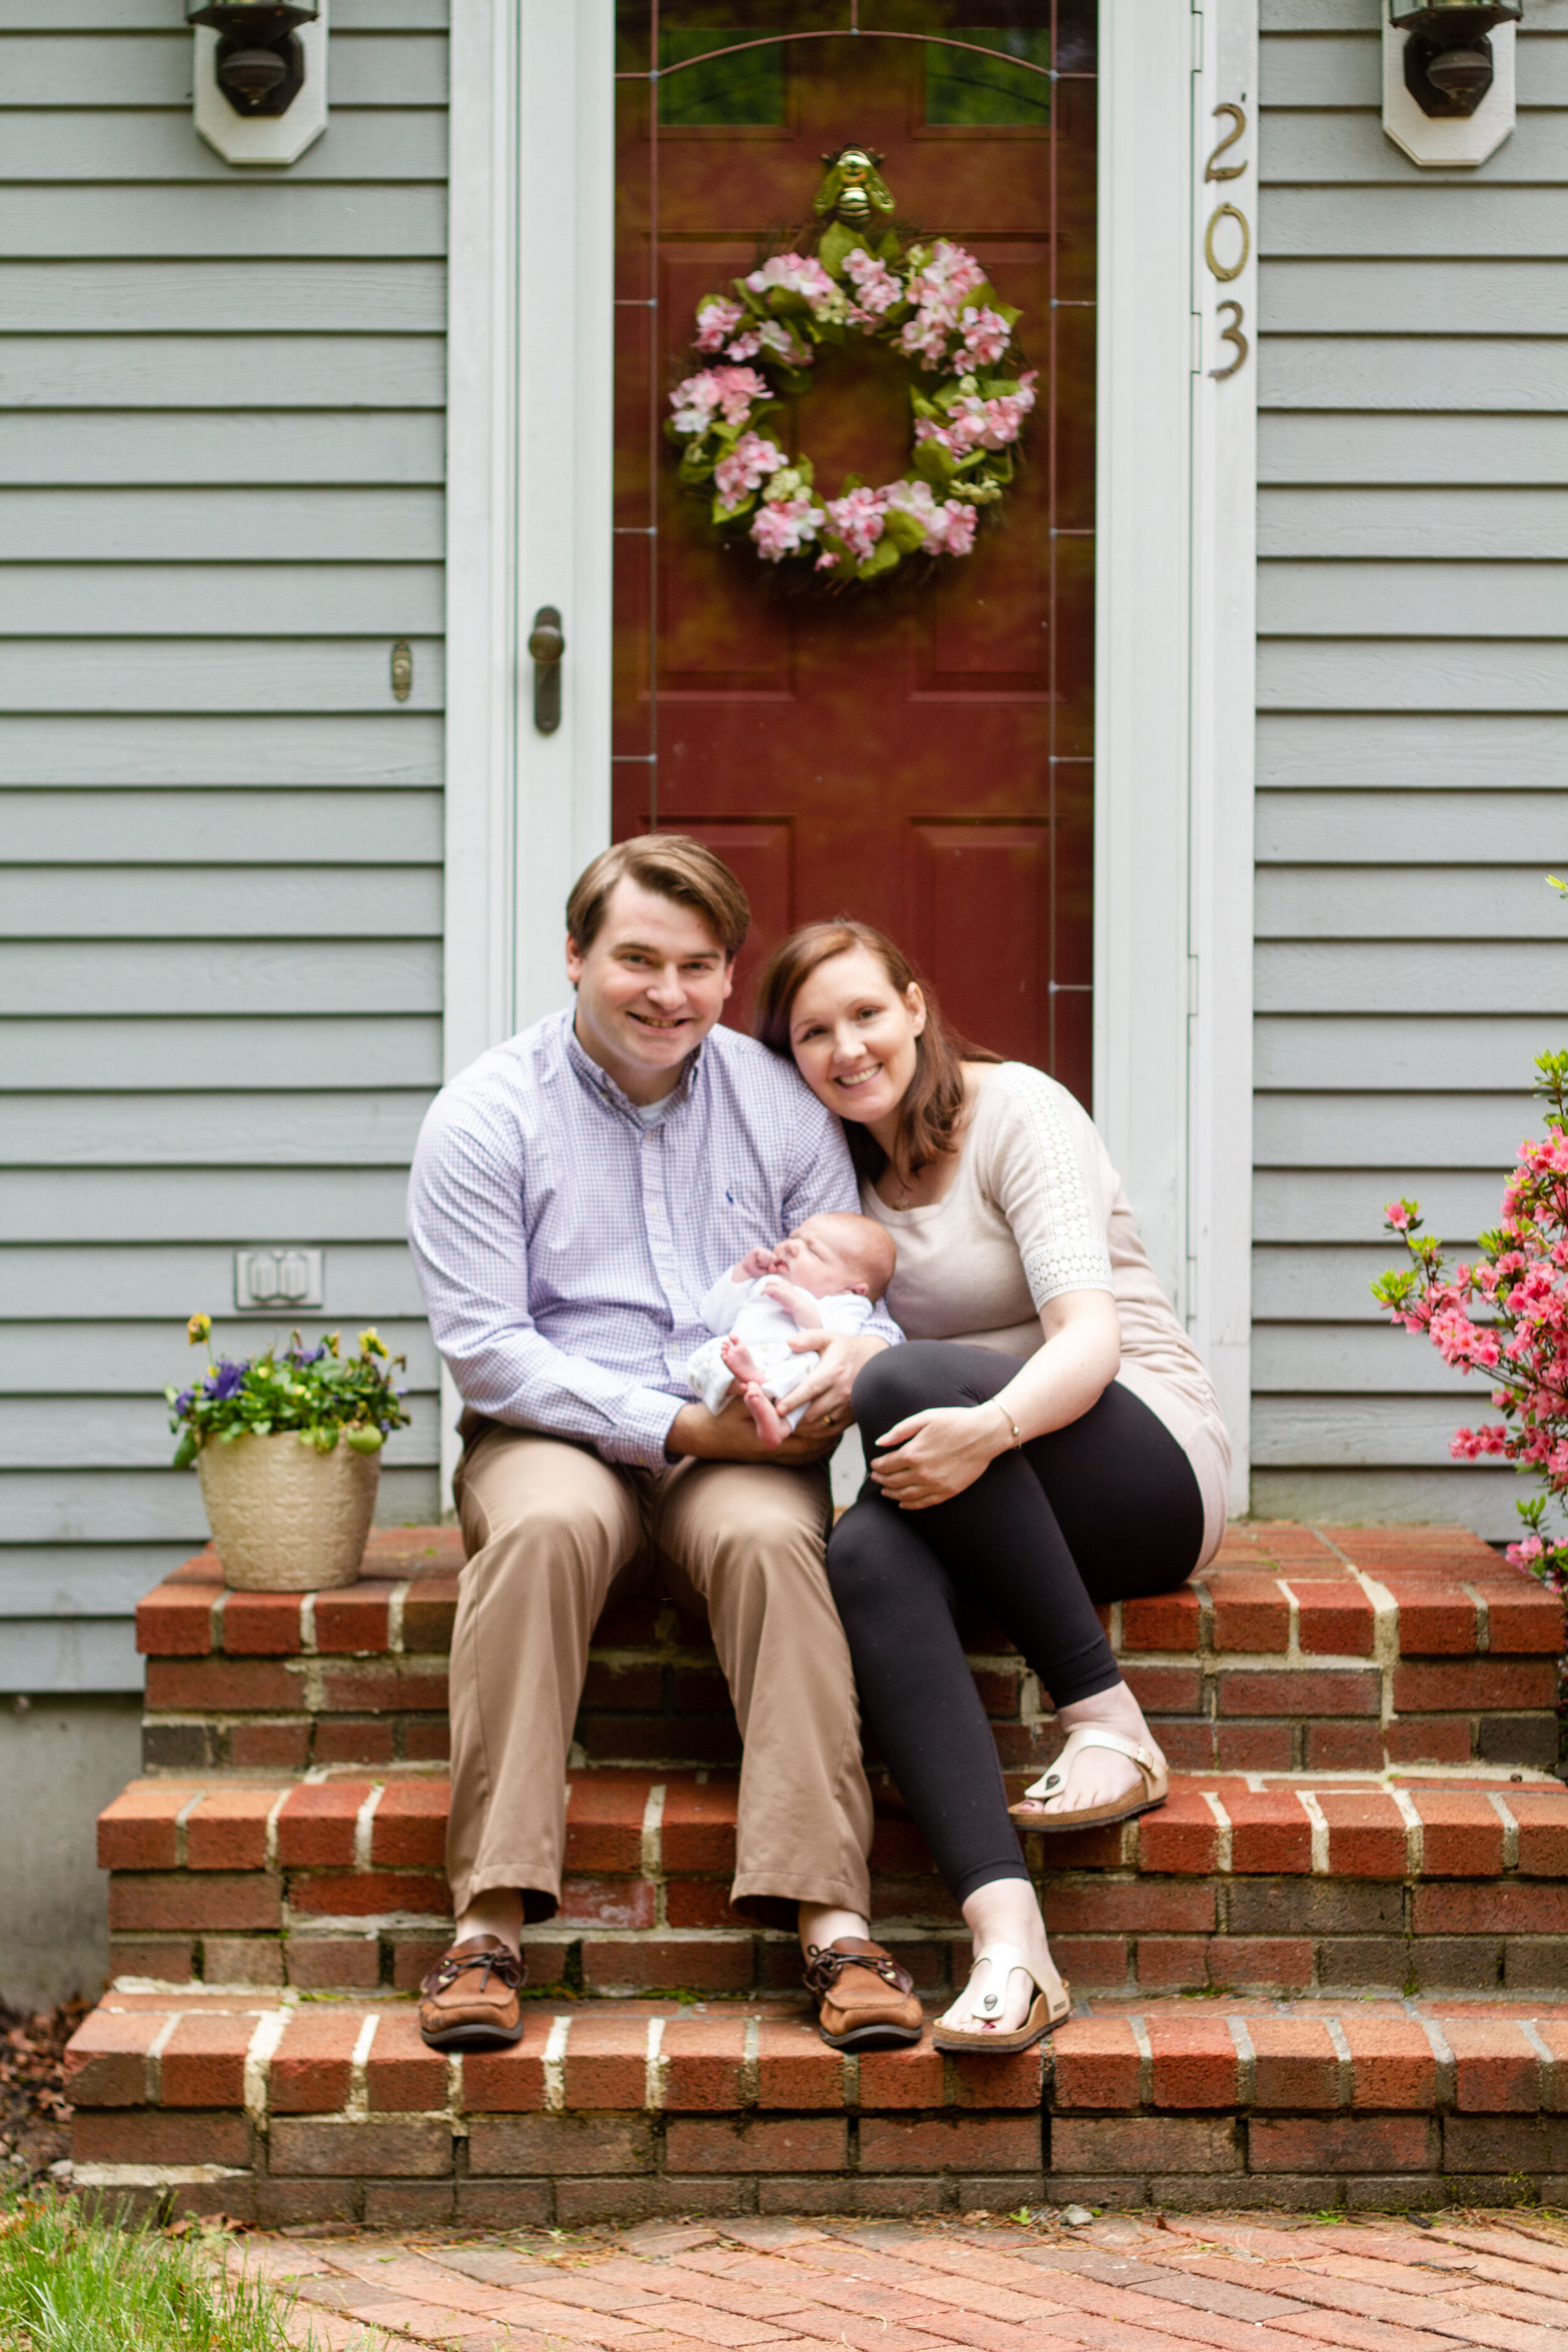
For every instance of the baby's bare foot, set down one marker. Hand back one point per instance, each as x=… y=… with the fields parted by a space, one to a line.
x=739 y=1363
x=771 y=1425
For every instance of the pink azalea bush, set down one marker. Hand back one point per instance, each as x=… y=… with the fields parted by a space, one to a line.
x=1507 y=1317
x=932 y=304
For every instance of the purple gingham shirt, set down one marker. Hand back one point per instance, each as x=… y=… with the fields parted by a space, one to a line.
x=565 y=1248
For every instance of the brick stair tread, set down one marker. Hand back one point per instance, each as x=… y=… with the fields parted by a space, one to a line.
x=1277 y=1590
x=284 y=2111
x=1450 y=1826
x=269 y=2053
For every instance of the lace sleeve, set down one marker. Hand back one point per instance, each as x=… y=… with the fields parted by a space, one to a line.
x=1045 y=1195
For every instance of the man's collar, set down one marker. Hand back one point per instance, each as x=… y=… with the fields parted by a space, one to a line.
x=596 y=1076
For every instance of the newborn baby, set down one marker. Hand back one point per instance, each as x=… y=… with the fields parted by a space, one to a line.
x=825 y=1278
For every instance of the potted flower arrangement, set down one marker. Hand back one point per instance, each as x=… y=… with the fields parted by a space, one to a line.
x=287 y=1448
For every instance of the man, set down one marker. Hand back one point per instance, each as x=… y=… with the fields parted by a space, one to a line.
x=575 y=1194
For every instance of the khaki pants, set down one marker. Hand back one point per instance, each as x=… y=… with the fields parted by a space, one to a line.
x=551 y=1531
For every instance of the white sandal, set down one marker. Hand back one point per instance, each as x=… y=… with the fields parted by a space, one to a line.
x=1043 y=2017
x=1156 y=1784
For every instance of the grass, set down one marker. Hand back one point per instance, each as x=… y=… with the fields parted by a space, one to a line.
x=76 y=2280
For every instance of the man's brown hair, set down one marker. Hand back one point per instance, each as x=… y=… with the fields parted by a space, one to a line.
x=672 y=866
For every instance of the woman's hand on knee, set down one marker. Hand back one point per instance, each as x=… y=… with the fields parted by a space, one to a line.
x=929 y=1456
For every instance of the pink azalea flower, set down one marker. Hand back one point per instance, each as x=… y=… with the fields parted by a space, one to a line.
x=858 y=518
x=783 y=526
x=873 y=281
x=960 y=523
x=925 y=336
x=1395 y=1213
x=985 y=336
x=715 y=321
x=948 y=273
x=695 y=401
x=735 y=388
x=750 y=462
x=826 y=561
x=744 y=347
x=800 y=273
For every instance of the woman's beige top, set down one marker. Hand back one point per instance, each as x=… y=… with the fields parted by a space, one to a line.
x=1035 y=1210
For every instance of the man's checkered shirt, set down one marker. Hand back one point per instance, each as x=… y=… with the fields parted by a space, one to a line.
x=564 y=1247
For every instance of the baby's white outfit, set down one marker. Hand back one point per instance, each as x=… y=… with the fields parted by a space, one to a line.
x=766 y=1328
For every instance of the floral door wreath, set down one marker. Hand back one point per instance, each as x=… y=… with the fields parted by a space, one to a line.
x=932 y=304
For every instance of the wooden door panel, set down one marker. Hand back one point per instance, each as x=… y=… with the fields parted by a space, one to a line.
x=919 y=754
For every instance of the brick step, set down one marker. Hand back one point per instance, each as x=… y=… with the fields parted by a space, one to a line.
x=1316 y=1649
x=288 y=2113
x=1242 y=1883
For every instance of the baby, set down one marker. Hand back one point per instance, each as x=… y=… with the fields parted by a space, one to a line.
x=825 y=1278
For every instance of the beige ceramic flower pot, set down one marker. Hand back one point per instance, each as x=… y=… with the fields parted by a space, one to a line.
x=284 y=1518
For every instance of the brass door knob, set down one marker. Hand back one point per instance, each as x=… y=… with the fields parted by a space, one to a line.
x=546 y=643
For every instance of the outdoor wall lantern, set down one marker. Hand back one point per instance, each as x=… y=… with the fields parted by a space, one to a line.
x=1447 y=77
x=260 y=76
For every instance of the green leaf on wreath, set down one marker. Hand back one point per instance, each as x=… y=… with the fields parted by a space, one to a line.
x=889 y=250
x=905 y=529
x=882 y=558
x=937 y=465
x=837 y=244
x=722 y=514
x=794 y=383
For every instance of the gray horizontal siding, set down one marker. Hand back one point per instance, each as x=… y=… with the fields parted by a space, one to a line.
x=294 y=297
x=1412 y=744
x=221 y=468
x=179 y=448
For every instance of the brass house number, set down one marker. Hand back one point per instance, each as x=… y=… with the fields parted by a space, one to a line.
x=1228 y=232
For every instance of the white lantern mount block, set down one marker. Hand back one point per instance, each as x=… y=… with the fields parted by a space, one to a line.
x=1446 y=142
x=275 y=140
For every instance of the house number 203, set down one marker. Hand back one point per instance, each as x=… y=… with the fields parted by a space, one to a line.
x=1228 y=231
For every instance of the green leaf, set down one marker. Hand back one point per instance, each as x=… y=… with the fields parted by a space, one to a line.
x=721 y=516
x=905 y=529
x=937 y=465
x=186 y=1451
x=838 y=242
x=889 y=250
x=882 y=558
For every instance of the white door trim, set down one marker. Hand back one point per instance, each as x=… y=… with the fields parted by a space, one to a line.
x=1175 y=496
x=529 y=523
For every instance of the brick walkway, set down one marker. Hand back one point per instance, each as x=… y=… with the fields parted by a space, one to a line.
x=1119 y=2285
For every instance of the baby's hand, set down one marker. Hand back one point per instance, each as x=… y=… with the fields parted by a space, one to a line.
x=762 y=1260
x=793 y=1300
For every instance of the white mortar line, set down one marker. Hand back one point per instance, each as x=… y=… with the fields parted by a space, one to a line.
x=1385 y=1618
x=751 y=2073
x=555 y=2065
x=1145 y=2061
x=308 y=1624
x=1222 y=1855
x=155 y=2059
x=656 y=2067
x=359 y=2089
x=1414 y=1836
x=1504 y=1812
x=215 y=1621
x=181 y=1817
x=271 y=1850
x=1314 y=1814
x=1247 y=2062
x=849 y=2077
x=1483 y=1618
x=1448 y=2067
x=394 y=1601
x=653 y=1838
x=1293 y=1626
x=1347 y=2064
x=1116 y=1627
x=454 y=2108
x=362 y=1820
x=269 y=2033
x=1544 y=2051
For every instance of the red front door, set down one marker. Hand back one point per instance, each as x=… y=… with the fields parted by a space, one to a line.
x=915 y=751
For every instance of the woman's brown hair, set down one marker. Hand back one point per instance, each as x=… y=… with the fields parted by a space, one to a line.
x=934 y=1102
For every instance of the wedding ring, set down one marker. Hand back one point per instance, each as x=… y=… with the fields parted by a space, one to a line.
x=830 y=1419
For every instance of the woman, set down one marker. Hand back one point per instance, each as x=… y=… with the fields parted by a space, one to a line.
x=1050 y=1439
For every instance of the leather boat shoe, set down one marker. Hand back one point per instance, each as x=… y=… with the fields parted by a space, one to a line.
x=865 y=2001
x=470 y=2000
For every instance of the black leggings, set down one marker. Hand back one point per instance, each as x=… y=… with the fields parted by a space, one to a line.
x=1104 y=1509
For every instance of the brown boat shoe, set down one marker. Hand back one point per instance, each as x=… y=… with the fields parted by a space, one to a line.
x=470 y=2000
x=865 y=2001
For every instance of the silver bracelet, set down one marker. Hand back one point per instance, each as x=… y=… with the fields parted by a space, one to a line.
x=1017 y=1433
